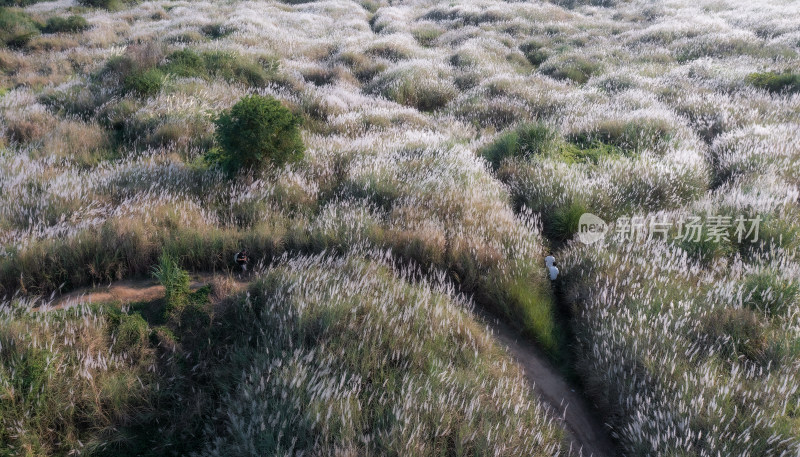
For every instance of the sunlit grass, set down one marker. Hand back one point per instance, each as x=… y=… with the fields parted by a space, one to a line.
x=454 y=137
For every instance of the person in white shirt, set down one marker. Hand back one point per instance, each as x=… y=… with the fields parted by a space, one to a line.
x=553 y=271
x=549 y=260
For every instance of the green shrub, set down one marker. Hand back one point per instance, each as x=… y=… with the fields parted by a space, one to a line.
x=630 y=136
x=145 y=83
x=72 y=24
x=225 y=65
x=257 y=132
x=775 y=82
x=563 y=223
x=185 y=63
x=16 y=28
x=578 y=69
x=525 y=141
x=236 y=68
x=175 y=282
x=534 y=53
x=216 y=31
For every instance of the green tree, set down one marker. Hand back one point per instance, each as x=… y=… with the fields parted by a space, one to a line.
x=256 y=132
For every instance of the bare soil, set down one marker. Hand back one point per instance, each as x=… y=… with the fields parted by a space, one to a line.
x=588 y=436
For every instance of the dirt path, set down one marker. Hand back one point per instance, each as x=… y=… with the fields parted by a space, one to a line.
x=587 y=434
x=133 y=290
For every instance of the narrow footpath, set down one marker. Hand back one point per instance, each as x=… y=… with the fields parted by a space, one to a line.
x=588 y=436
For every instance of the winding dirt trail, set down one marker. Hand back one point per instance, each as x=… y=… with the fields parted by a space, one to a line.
x=587 y=435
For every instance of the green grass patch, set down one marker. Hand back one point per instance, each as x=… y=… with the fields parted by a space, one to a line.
x=624 y=137
x=71 y=24
x=16 y=28
x=216 y=31
x=577 y=69
x=148 y=80
x=538 y=140
x=229 y=66
x=145 y=83
x=533 y=310
x=768 y=293
x=426 y=34
x=562 y=224
x=786 y=82
x=525 y=141
x=19 y=3
x=112 y=5
x=534 y=52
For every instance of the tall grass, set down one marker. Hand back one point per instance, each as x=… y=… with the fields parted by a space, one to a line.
x=649 y=109
x=325 y=355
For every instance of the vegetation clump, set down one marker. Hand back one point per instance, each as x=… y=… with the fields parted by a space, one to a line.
x=534 y=52
x=175 y=281
x=688 y=345
x=220 y=64
x=578 y=69
x=144 y=71
x=256 y=133
x=16 y=27
x=775 y=82
x=216 y=31
x=628 y=137
x=106 y=4
x=18 y=3
x=71 y=24
x=527 y=141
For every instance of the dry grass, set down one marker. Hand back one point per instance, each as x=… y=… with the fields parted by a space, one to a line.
x=397 y=102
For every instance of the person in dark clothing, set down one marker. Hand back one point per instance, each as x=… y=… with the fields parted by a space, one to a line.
x=242 y=259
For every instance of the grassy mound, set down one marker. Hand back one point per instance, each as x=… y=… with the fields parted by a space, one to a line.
x=537 y=140
x=322 y=356
x=16 y=27
x=143 y=70
x=71 y=24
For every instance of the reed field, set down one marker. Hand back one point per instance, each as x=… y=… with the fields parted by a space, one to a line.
x=442 y=150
